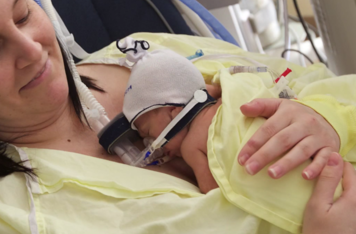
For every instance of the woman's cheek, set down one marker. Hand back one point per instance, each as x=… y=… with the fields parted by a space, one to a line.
x=40 y=22
x=57 y=92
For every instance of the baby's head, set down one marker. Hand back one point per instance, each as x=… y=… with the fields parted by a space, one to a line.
x=152 y=123
x=161 y=83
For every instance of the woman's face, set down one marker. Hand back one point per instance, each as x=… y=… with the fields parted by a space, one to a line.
x=33 y=84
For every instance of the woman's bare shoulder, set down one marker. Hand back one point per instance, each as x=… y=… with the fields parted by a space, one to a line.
x=113 y=79
x=107 y=76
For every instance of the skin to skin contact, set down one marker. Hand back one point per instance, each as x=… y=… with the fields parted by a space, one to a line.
x=37 y=112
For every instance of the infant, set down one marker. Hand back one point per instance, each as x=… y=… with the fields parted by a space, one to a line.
x=190 y=143
x=161 y=84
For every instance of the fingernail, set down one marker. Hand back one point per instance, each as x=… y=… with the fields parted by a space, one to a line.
x=333 y=160
x=243 y=159
x=252 y=167
x=275 y=171
x=308 y=174
x=249 y=103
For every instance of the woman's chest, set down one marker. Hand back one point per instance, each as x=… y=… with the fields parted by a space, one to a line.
x=113 y=79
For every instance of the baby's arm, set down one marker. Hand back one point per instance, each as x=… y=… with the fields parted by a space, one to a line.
x=214 y=91
x=194 y=149
x=198 y=161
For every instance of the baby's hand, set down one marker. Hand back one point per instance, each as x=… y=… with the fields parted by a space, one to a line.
x=198 y=161
x=206 y=181
x=214 y=91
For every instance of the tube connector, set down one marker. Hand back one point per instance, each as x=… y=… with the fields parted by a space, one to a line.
x=247 y=69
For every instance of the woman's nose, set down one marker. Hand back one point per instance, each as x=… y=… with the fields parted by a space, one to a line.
x=29 y=52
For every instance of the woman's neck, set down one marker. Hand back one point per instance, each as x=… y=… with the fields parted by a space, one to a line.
x=58 y=128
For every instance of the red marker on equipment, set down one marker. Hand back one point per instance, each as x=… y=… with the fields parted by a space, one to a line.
x=285 y=73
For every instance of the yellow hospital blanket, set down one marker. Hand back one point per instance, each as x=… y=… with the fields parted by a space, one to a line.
x=75 y=193
x=83 y=194
x=282 y=201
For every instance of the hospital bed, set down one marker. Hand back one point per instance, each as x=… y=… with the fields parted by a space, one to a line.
x=111 y=20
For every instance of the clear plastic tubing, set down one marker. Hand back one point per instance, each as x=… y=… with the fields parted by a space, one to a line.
x=248 y=69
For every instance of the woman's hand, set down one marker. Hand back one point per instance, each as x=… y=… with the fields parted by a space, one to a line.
x=322 y=214
x=290 y=126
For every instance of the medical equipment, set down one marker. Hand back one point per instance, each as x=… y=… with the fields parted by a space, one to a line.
x=248 y=69
x=154 y=7
x=200 y=100
x=197 y=54
x=215 y=27
x=93 y=110
x=287 y=41
x=335 y=21
x=307 y=32
x=253 y=23
x=118 y=137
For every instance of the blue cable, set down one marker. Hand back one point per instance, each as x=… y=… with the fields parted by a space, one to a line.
x=209 y=19
x=38 y=2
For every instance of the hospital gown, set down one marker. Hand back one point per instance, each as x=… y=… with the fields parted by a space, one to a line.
x=75 y=193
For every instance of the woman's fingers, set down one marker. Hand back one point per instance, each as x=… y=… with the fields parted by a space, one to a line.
x=318 y=163
x=349 y=181
x=261 y=107
x=330 y=176
x=325 y=215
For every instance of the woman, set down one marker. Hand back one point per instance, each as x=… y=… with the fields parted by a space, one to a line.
x=37 y=113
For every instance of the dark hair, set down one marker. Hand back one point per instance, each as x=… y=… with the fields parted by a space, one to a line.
x=7 y=165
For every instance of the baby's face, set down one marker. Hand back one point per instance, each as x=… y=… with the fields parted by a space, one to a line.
x=152 y=123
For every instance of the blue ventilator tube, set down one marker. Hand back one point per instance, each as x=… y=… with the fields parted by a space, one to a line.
x=38 y=2
x=210 y=20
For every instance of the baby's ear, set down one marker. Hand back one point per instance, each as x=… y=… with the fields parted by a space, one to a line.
x=175 y=111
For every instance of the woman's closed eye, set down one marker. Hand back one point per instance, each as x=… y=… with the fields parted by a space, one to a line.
x=24 y=19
